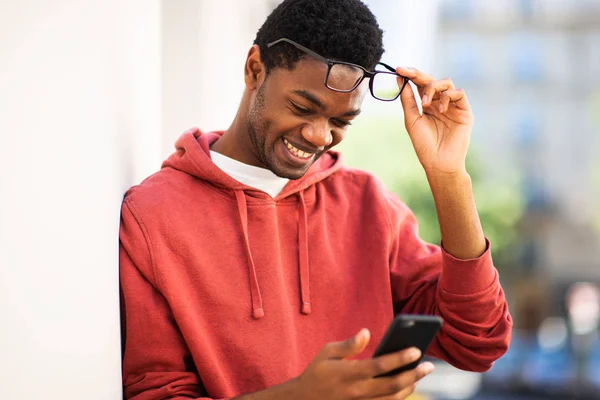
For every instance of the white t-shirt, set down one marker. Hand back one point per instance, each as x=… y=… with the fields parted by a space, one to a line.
x=256 y=177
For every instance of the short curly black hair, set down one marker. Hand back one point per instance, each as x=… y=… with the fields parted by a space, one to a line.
x=342 y=30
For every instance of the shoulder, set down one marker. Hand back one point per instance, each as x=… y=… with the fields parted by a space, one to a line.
x=354 y=179
x=370 y=194
x=363 y=184
x=161 y=191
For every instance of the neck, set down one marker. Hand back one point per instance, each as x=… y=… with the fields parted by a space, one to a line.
x=235 y=142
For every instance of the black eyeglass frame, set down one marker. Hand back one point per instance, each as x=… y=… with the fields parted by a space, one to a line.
x=331 y=63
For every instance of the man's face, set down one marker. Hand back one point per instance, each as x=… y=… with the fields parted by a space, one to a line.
x=294 y=118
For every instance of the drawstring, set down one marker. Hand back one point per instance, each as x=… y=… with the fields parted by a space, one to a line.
x=303 y=257
x=257 y=306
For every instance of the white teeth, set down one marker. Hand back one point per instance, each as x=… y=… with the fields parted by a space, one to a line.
x=297 y=152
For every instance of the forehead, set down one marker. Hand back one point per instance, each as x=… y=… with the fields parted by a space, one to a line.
x=309 y=75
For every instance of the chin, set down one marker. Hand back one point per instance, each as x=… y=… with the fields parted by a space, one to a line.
x=284 y=166
x=289 y=173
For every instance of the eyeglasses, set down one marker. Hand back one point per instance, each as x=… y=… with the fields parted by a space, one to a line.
x=344 y=77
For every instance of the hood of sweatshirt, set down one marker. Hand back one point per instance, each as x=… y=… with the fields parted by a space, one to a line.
x=192 y=156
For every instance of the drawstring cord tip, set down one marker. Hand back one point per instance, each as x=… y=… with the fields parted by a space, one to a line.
x=306 y=308
x=258 y=313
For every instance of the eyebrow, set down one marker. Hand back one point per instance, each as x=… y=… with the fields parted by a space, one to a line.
x=352 y=113
x=313 y=99
x=310 y=97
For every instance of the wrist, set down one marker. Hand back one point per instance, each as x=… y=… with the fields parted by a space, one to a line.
x=439 y=179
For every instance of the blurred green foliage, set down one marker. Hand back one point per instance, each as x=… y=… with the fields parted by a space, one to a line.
x=380 y=145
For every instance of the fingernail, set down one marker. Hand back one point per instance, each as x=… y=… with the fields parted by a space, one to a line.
x=363 y=333
x=441 y=108
x=427 y=368
x=425 y=99
x=414 y=354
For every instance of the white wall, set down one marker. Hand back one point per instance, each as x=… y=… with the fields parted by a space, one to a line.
x=205 y=44
x=79 y=123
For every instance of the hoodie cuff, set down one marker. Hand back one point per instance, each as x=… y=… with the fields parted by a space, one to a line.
x=468 y=276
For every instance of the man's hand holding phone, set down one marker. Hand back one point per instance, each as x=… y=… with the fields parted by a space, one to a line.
x=332 y=375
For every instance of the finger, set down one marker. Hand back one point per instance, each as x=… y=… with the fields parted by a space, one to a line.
x=431 y=90
x=457 y=97
x=389 y=362
x=419 y=78
x=401 y=395
x=347 y=348
x=409 y=105
x=444 y=103
x=396 y=385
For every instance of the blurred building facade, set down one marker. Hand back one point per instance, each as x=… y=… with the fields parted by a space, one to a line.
x=531 y=69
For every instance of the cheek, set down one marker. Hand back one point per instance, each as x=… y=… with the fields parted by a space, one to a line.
x=281 y=122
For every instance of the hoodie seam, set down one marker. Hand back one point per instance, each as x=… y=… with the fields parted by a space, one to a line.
x=128 y=202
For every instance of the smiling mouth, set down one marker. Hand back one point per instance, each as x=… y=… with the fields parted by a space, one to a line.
x=297 y=152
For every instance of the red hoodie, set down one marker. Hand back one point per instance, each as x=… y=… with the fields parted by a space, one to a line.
x=227 y=291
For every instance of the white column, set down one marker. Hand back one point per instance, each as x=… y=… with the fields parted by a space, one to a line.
x=205 y=47
x=79 y=123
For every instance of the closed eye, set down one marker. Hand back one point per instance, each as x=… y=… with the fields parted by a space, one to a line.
x=299 y=110
x=341 y=123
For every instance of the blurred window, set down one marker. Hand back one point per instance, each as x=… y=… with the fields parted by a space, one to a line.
x=526 y=57
x=526 y=8
x=465 y=55
x=457 y=9
x=527 y=125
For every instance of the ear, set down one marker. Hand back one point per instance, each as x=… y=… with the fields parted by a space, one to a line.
x=254 y=69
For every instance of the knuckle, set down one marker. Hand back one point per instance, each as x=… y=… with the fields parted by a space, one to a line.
x=379 y=366
x=327 y=349
x=396 y=386
x=320 y=369
x=413 y=376
x=355 y=392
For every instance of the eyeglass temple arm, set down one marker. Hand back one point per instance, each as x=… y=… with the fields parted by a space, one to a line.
x=391 y=69
x=300 y=47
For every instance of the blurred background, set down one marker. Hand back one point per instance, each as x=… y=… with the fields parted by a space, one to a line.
x=94 y=94
x=531 y=70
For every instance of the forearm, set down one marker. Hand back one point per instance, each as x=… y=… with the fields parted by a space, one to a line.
x=462 y=234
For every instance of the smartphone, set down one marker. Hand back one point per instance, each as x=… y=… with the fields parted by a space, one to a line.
x=406 y=331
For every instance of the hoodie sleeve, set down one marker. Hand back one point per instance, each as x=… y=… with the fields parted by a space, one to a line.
x=156 y=361
x=465 y=293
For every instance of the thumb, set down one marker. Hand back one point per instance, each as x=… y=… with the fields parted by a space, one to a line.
x=348 y=348
x=409 y=103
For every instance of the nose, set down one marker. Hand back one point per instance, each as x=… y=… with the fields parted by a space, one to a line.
x=317 y=134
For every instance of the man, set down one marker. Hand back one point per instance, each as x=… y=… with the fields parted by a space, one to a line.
x=254 y=264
